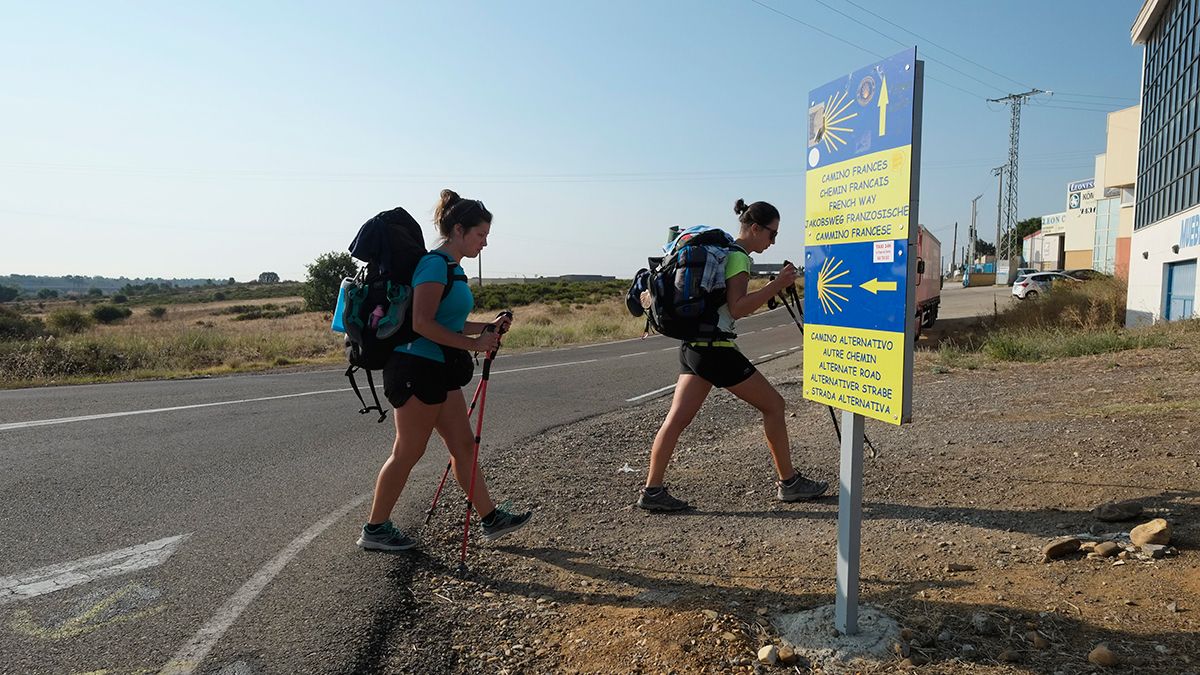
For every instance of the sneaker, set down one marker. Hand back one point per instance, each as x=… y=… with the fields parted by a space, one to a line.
x=387 y=538
x=659 y=499
x=800 y=489
x=504 y=523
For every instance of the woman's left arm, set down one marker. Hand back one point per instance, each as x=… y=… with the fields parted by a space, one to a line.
x=500 y=323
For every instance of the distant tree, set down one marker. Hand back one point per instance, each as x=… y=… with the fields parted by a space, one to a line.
x=157 y=312
x=47 y=294
x=1028 y=226
x=984 y=248
x=268 y=278
x=325 y=276
x=69 y=321
x=95 y=292
x=231 y=281
x=120 y=298
x=111 y=313
x=9 y=293
x=13 y=326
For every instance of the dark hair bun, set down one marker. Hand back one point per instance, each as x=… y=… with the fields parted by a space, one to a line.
x=739 y=207
x=449 y=198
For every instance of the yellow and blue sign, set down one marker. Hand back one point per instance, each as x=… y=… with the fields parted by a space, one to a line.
x=860 y=219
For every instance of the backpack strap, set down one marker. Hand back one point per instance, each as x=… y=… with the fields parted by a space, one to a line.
x=451 y=277
x=371 y=382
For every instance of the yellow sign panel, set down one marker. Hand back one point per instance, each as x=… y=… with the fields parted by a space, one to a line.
x=861 y=199
x=855 y=369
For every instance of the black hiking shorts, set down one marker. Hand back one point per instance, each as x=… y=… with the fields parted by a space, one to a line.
x=720 y=366
x=408 y=375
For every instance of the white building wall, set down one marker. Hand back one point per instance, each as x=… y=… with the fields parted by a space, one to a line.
x=1150 y=251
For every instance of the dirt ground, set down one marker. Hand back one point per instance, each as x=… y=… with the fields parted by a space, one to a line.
x=999 y=461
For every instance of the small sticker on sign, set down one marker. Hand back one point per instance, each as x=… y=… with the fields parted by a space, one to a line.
x=885 y=251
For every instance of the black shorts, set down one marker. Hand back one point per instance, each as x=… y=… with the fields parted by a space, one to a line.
x=719 y=366
x=407 y=375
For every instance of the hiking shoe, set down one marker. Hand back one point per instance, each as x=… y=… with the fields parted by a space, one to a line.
x=385 y=538
x=799 y=488
x=504 y=522
x=658 y=499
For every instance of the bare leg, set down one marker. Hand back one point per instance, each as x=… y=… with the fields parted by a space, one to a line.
x=690 y=393
x=758 y=392
x=455 y=429
x=414 y=424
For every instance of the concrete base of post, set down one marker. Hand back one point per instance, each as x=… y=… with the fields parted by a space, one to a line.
x=812 y=635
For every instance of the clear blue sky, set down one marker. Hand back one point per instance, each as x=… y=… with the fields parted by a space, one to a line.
x=218 y=139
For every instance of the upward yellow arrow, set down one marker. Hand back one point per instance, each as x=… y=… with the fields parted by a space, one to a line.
x=875 y=285
x=883 y=103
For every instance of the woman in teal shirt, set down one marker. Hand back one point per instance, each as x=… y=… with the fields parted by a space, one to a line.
x=704 y=364
x=418 y=383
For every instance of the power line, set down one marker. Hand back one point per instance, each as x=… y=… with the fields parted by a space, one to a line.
x=858 y=46
x=902 y=43
x=931 y=42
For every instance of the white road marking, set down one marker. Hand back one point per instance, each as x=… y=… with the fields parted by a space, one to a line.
x=85 y=418
x=32 y=583
x=625 y=356
x=765 y=356
x=189 y=657
x=549 y=365
x=650 y=393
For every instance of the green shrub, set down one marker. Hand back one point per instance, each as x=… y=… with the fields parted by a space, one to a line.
x=9 y=293
x=325 y=276
x=219 y=295
x=157 y=312
x=120 y=298
x=111 y=313
x=47 y=294
x=69 y=321
x=13 y=326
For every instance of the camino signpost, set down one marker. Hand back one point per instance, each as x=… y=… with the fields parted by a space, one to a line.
x=862 y=187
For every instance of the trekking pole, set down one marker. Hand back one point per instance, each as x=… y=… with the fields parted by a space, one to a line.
x=795 y=299
x=483 y=384
x=474 y=399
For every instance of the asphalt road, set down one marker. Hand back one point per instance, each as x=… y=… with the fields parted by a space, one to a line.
x=208 y=525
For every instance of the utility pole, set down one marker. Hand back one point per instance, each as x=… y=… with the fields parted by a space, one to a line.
x=999 y=171
x=954 y=247
x=973 y=234
x=479 y=259
x=1014 y=102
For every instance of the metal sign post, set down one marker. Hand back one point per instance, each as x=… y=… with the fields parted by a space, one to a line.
x=862 y=187
x=845 y=614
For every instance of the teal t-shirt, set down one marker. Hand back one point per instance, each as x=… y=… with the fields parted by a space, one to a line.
x=453 y=310
x=736 y=262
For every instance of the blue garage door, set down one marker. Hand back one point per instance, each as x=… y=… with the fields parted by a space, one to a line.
x=1181 y=290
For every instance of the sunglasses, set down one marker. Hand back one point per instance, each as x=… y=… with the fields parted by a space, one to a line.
x=774 y=233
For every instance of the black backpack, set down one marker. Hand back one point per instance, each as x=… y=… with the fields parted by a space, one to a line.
x=375 y=307
x=670 y=293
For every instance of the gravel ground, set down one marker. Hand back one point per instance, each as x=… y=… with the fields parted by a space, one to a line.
x=957 y=508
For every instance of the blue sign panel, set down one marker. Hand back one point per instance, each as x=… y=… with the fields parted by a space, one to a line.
x=860 y=285
x=869 y=110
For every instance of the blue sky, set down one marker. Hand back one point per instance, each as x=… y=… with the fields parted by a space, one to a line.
x=223 y=139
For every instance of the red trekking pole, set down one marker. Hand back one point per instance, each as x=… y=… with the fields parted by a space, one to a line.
x=483 y=385
x=487 y=362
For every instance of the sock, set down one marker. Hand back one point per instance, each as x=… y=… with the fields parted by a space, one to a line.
x=373 y=528
x=490 y=518
x=653 y=491
x=791 y=481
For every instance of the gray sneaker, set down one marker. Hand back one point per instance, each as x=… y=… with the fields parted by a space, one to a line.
x=505 y=522
x=799 y=489
x=658 y=499
x=386 y=538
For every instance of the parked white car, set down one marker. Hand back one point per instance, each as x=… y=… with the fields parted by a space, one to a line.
x=1028 y=286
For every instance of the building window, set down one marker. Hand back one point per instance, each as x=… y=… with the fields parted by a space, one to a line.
x=1169 y=150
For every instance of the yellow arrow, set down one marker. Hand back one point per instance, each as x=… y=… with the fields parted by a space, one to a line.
x=883 y=103
x=875 y=285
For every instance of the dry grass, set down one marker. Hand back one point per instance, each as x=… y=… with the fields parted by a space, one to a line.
x=200 y=339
